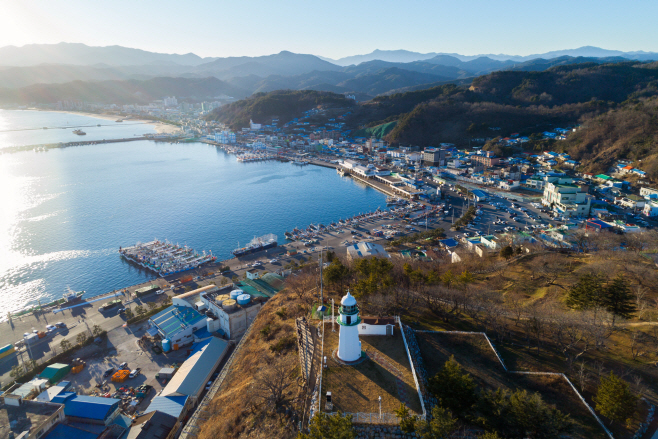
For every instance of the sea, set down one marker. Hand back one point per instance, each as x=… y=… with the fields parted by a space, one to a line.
x=65 y=212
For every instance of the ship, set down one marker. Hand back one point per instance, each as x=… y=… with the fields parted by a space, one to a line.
x=119 y=120
x=73 y=296
x=79 y=132
x=257 y=244
x=165 y=258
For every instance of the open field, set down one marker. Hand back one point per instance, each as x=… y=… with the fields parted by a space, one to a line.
x=473 y=353
x=386 y=373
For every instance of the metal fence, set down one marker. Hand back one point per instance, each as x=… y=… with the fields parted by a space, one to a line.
x=374 y=418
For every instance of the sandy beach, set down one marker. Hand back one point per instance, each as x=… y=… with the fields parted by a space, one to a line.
x=160 y=127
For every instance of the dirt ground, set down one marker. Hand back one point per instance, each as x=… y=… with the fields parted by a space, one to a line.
x=121 y=346
x=386 y=373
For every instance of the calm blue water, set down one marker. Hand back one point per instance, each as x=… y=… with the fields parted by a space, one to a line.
x=64 y=213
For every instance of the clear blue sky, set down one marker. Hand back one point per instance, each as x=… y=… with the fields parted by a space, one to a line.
x=334 y=28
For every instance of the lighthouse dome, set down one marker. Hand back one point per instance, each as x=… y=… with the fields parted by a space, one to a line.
x=348 y=300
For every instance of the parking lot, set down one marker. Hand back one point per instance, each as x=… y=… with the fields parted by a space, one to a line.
x=121 y=345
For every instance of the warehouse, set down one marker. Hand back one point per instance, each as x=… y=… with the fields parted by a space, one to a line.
x=153 y=425
x=177 y=324
x=90 y=409
x=194 y=373
x=55 y=372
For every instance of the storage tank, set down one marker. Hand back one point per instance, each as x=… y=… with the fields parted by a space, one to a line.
x=244 y=299
x=166 y=345
x=222 y=297
x=229 y=305
x=236 y=293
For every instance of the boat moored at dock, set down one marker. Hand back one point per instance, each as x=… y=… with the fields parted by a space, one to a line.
x=257 y=244
x=165 y=258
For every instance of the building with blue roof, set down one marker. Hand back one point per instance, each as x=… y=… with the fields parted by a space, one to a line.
x=177 y=324
x=176 y=406
x=92 y=409
x=64 y=431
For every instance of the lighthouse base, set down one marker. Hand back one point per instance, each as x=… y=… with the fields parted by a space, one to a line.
x=362 y=358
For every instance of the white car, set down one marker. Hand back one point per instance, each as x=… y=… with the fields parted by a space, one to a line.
x=274 y=261
x=51 y=328
x=159 y=292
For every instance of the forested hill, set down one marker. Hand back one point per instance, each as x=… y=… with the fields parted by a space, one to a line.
x=282 y=104
x=523 y=102
x=122 y=91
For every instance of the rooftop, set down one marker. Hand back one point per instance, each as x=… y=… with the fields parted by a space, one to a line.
x=175 y=318
x=29 y=415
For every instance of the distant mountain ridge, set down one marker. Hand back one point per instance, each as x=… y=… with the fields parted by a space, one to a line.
x=409 y=56
x=81 y=54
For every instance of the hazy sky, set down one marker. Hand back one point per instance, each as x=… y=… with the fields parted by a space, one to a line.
x=334 y=28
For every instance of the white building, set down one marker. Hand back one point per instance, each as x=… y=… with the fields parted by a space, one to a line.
x=377 y=326
x=170 y=101
x=366 y=249
x=349 y=346
x=650 y=208
x=566 y=198
x=254 y=126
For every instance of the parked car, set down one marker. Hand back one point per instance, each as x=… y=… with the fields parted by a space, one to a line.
x=135 y=372
x=60 y=324
x=123 y=365
x=108 y=372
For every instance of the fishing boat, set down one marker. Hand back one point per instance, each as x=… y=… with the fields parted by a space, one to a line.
x=73 y=296
x=79 y=132
x=257 y=244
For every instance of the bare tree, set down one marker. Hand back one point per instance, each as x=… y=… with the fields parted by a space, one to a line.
x=271 y=384
x=583 y=375
x=636 y=340
x=640 y=301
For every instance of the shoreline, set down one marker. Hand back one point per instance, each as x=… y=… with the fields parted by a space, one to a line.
x=160 y=127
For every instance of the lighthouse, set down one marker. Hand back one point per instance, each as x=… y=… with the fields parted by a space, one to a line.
x=349 y=346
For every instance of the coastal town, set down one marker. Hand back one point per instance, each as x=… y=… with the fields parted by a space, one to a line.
x=154 y=355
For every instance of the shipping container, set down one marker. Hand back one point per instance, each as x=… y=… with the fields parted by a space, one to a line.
x=185 y=279
x=7 y=350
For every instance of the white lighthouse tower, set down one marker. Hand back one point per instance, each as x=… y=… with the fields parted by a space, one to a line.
x=349 y=346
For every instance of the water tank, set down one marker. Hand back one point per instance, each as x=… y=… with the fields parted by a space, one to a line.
x=236 y=293
x=243 y=299
x=222 y=297
x=229 y=305
x=166 y=345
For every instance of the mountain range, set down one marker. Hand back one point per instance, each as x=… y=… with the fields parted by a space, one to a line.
x=35 y=70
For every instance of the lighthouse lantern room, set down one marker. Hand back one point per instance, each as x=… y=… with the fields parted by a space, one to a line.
x=349 y=346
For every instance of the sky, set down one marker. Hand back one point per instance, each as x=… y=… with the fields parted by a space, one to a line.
x=335 y=28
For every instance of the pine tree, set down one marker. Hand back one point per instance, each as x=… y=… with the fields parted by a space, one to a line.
x=614 y=400
x=453 y=387
x=618 y=298
x=407 y=422
x=440 y=426
x=587 y=293
x=324 y=426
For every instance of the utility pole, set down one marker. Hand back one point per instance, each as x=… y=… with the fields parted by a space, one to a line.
x=333 y=320
x=321 y=282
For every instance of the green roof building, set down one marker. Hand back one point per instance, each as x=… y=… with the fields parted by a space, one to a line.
x=55 y=372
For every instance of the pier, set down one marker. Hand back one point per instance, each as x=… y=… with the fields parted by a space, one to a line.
x=47 y=146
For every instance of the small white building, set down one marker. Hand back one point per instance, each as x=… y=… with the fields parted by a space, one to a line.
x=377 y=326
x=349 y=346
x=366 y=249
